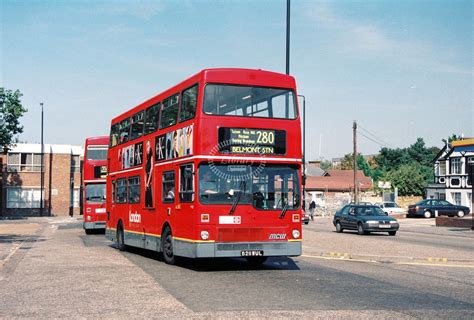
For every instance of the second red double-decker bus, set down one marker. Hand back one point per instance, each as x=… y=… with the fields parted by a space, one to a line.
x=209 y=168
x=94 y=172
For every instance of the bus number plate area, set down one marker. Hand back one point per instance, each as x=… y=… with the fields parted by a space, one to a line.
x=251 y=253
x=252 y=141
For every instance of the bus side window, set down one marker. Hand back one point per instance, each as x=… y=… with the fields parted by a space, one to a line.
x=121 y=193
x=137 y=125
x=112 y=199
x=124 y=130
x=151 y=118
x=188 y=103
x=134 y=190
x=168 y=187
x=114 y=134
x=186 y=183
x=169 y=112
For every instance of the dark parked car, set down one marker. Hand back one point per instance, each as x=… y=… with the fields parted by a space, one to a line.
x=432 y=207
x=364 y=219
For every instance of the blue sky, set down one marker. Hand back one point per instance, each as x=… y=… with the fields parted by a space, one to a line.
x=401 y=69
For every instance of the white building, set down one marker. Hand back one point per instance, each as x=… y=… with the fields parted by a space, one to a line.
x=452 y=180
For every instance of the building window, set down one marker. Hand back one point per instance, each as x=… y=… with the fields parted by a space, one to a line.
x=23 y=198
x=455 y=182
x=75 y=164
x=23 y=162
x=456 y=198
x=442 y=168
x=134 y=190
x=455 y=165
x=168 y=186
x=186 y=185
x=75 y=196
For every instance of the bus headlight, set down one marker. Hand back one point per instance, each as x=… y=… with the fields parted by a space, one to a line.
x=89 y=218
x=204 y=235
x=296 y=234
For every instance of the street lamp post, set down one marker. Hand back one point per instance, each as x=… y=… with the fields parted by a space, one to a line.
x=42 y=164
x=304 y=151
x=287 y=36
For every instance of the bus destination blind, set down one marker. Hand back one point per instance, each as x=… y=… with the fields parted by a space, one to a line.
x=252 y=141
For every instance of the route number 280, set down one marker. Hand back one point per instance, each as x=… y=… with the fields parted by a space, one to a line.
x=266 y=137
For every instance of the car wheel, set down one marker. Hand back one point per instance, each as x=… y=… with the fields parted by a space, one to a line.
x=167 y=246
x=460 y=213
x=427 y=214
x=306 y=222
x=121 y=238
x=392 y=233
x=360 y=229
x=339 y=227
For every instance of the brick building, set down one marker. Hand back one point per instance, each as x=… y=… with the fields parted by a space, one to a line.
x=20 y=184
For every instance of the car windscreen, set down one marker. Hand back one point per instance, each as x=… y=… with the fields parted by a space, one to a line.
x=370 y=211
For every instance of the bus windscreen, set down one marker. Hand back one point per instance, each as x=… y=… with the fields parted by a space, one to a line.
x=249 y=101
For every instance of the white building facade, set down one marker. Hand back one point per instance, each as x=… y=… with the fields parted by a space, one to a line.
x=452 y=179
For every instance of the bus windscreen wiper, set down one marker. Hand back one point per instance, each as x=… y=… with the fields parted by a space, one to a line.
x=283 y=212
x=237 y=198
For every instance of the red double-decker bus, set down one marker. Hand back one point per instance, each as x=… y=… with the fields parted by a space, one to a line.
x=94 y=172
x=209 y=168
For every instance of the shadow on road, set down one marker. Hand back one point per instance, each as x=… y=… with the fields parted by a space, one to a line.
x=218 y=264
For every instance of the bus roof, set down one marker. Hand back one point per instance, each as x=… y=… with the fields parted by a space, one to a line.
x=220 y=75
x=99 y=140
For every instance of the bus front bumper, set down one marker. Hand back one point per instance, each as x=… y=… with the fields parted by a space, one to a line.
x=235 y=249
x=94 y=225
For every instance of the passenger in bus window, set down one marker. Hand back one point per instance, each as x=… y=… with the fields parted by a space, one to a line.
x=208 y=184
x=259 y=198
x=170 y=194
x=148 y=174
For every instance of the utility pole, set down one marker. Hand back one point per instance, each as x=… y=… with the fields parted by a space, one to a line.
x=354 y=140
x=287 y=36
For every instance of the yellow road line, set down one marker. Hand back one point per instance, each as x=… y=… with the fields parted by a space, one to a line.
x=348 y=258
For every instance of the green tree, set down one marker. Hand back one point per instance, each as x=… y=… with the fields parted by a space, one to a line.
x=11 y=110
x=452 y=138
x=326 y=164
x=347 y=163
x=409 y=179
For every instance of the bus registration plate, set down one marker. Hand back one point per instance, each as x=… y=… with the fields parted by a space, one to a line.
x=251 y=253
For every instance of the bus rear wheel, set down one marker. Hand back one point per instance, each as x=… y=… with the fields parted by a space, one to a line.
x=167 y=246
x=120 y=238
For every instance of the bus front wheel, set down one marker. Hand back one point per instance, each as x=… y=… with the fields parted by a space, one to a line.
x=167 y=246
